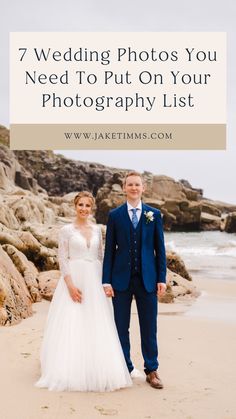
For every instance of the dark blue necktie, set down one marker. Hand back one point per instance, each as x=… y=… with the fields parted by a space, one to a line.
x=134 y=217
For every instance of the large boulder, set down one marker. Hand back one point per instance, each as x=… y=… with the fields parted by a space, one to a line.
x=210 y=222
x=59 y=175
x=15 y=299
x=178 y=288
x=27 y=269
x=198 y=192
x=177 y=265
x=31 y=208
x=110 y=196
x=12 y=173
x=7 y=216
x=181 y=215
x=43 y=257
x=47 y=283
x=47 y=235
x=4 y=136
x=230 y=223
x=164 y=187
x=210 y=208
x=223 y=207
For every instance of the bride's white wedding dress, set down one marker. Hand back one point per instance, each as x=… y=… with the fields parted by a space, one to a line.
x=81 y=349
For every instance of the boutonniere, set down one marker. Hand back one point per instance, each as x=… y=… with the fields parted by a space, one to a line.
x=149 y=216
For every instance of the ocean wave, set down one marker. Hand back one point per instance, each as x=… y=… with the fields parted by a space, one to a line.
x=229 y=244
x=224 y=249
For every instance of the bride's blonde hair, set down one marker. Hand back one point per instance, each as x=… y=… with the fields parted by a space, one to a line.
x=85 y=194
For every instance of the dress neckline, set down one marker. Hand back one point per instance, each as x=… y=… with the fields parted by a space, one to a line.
x=88 y=242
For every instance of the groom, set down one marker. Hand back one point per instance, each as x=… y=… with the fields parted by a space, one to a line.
x=135 y=265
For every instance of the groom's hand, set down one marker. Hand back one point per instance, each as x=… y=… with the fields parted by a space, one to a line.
x=161 y=289
x=108 y=290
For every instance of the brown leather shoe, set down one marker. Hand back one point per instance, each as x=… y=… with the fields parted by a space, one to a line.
x=154 y=380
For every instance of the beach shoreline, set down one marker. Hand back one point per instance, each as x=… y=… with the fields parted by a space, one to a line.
x=196 y=353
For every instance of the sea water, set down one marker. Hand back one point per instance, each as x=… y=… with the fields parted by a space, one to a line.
x=210 y=254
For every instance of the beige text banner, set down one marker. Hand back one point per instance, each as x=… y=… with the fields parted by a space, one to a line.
x=118 y=137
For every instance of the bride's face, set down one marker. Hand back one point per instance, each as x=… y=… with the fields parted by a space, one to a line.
x=83 y=208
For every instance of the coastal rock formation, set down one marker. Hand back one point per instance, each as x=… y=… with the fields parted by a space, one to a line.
x=177 y=288
x=230 y=223
x=210 y=208
x=12 y=173
x=15 y=299
x=27 y=269
x=7 y=217
x=43 y=257
x=4 y=136
x=187 y=215
x=176 y=265
x=164 y=187
x=108 y=197
x=189 y=187
x=223 y=207
x=210 y=222
x=47 y=283
x=60 y=176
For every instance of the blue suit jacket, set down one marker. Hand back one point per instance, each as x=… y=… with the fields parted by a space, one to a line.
x=117 y=258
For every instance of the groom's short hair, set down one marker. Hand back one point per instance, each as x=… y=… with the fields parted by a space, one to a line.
x=132 y=173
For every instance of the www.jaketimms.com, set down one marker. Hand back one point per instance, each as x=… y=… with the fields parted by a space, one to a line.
x=118 y=136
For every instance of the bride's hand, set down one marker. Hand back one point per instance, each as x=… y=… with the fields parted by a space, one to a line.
x=74 y=292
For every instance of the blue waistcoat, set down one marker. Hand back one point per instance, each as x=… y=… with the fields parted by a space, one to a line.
x=135 y=248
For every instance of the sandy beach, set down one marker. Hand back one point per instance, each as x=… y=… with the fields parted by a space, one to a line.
x=197 y=346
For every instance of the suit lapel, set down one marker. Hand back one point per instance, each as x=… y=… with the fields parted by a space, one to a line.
x=125 y=221
x=143 y=225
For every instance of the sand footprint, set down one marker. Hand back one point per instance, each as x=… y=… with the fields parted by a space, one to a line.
x=106 y=412
x=25 y=354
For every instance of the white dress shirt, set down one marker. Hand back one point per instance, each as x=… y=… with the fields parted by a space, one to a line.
x=138 y=208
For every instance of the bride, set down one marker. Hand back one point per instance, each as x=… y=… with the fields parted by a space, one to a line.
x=81 y=349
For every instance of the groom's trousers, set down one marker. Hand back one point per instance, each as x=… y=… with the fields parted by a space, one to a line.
x=147 y=312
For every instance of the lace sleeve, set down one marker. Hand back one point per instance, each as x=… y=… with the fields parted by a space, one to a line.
x=100 y=247
x=63 y=251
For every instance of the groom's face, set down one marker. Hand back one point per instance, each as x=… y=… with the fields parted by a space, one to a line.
x=133 y=188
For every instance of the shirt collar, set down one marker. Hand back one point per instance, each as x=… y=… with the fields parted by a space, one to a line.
x=139 y=206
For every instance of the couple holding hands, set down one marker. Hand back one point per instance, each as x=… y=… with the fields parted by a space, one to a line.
x=86 y=345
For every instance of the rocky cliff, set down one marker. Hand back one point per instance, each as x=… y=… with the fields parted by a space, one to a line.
x=184 y=208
